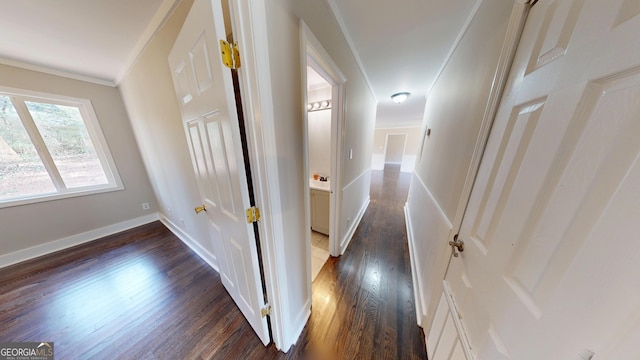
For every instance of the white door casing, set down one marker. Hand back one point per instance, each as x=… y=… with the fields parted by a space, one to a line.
x=313 y=54
x=204 y=90
x=550 y=269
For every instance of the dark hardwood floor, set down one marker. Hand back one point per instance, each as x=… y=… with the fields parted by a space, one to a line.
x=363 y=304
x=142 y=294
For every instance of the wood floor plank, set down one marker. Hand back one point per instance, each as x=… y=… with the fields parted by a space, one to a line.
x=143 y=294
x=362 y=305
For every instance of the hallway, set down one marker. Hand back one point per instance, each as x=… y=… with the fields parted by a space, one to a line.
x=142 y=294
x=363 y=301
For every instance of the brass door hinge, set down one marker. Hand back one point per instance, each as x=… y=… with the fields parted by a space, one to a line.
x=266 y=310
x=253 y=214
x=230 y=54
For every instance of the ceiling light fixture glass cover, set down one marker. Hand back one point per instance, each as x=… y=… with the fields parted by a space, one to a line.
x=400 y=97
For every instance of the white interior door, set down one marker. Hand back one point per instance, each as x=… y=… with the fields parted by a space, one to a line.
x=550 y=264
x=205 y=92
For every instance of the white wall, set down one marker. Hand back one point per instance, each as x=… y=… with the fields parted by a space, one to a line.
x=454 y=111
x=319 y=129
x=319 y=92
x=412 y=146
x=320 y=142
x=35 y=229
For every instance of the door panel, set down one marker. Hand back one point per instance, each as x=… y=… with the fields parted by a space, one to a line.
x=201 y=163
x=201 y=64
x=507 y=162
x=220 y=169
x=204 y=90
x=551 y=227
x=559 y=23
x=446 y=342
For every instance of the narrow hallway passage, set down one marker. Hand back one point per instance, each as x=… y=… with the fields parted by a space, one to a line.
x=363 y=305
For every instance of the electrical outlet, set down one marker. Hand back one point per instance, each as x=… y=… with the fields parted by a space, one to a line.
x=170 y=213
x=182 y=223
x=145 y=206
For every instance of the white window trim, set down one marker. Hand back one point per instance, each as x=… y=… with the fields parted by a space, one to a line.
x=97 y=138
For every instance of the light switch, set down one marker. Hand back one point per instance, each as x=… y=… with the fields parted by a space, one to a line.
x=350 y=154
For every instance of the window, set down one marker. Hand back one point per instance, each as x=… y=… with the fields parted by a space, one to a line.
x=51 y=147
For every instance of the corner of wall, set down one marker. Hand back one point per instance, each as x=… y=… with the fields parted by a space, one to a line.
x=73 y=240
x=194 y=245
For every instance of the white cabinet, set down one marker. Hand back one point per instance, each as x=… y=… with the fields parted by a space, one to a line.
x=320 y=211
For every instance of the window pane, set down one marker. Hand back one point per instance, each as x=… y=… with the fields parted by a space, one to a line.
x=21 y=170
x=65 y=134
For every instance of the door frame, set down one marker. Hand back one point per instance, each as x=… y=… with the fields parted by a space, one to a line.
x=313 y=54
x=249 y=26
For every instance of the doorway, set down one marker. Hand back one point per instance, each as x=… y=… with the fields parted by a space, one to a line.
x=323 y=94
x=319 y=160
x=394 y=149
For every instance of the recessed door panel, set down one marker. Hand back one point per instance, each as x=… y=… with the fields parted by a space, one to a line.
x=514 y=144
x=221 y=160
x=182 y=85
x=201 y=162
x=556 y=32
x=201 y=63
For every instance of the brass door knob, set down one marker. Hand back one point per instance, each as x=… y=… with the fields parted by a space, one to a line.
x=457 y=246
x=200 y=209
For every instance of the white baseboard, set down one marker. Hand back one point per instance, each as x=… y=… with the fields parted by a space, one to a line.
x=73 y=240
x=415 y=274
x=352 y=230
x=205 y=255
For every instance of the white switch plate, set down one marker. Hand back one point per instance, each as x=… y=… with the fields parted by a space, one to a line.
x=350 y=154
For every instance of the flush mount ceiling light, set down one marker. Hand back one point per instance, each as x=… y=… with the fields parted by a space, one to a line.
x=400 y=97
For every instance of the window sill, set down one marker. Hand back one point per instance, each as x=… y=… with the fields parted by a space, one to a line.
x=59 y=196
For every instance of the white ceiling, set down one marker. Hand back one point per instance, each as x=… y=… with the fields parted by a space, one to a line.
x=98 y=39
x=315 y=80
x=401 y=45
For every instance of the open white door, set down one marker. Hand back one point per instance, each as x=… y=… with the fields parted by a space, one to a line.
x=205 y=92
x=550 y=264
